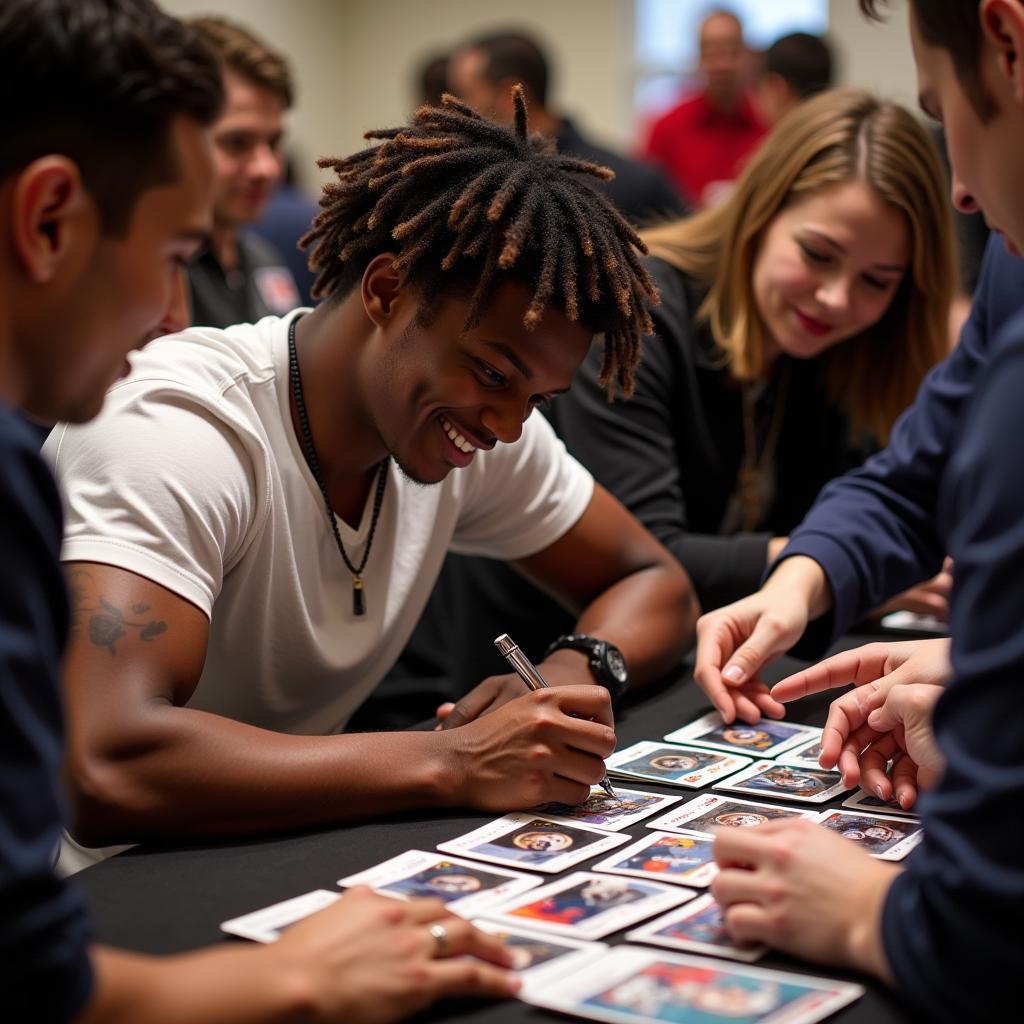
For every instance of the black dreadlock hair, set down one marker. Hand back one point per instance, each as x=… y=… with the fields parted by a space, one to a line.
x=465 y=198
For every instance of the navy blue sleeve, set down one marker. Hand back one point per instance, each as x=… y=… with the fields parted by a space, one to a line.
x=874 y=530
x=952 y=921
x=44 y=929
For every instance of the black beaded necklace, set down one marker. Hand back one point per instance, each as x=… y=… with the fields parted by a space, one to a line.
x=358 y=595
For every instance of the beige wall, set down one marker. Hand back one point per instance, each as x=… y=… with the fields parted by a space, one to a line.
x=354 y=60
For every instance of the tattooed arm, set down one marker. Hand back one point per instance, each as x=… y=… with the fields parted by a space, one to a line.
x=143 y=765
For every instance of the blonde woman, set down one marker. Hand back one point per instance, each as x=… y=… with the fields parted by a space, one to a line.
x=796 y=322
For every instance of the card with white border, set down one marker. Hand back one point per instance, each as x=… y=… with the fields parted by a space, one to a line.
x=709 y=812
x=589 y=906
x=524 y=840
x=785 y=782
x=885 y=837
x=626 y=808
x=631 y=985
x=672 y=764
x=682 y=858
x=267 y=924
x=768 y=738
x=806 y=755
x=465 y=887
x=539 y=958
x=870 y=804
x=696 y=927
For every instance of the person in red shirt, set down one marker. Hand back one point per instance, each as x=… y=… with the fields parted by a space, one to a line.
x=702 y=143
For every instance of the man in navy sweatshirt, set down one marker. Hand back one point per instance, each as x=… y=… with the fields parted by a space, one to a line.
x=944 y=928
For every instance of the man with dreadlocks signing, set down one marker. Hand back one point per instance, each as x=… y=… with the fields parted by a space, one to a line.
x=249 y=541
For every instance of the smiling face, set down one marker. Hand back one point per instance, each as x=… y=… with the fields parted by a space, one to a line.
x=987 y=158
x=828 y=268
x=435 y=394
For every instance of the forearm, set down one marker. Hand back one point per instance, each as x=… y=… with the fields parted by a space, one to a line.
x=224 y=986
x=192 y=773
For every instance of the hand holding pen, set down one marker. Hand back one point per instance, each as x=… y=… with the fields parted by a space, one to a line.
x=527 y=671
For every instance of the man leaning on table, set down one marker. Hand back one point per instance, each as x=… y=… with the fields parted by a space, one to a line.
x=257 y=517
x=945 y=930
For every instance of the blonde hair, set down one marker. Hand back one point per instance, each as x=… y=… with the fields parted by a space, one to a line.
x=839 y=136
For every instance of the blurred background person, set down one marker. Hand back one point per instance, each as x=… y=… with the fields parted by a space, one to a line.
x=703 y=142
x=241 y=277
x=432 y=79
x=794 y=68
x=482 y=72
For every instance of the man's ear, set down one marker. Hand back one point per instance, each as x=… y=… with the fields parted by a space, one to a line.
x=1002 y=24
x=51 y=215
x=381 y=288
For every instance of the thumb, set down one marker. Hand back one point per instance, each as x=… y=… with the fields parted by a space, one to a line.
x=889 y=715
x=767 y=639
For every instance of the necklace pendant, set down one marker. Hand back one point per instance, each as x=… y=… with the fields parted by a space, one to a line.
x=358 y=596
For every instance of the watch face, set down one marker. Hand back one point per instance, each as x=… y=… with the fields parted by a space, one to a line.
x=616 y=664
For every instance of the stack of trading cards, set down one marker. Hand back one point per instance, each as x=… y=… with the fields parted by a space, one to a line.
x=634 y=985
x=529 y=841
x=466 y=888
x=589 y=906
x=673 y=765
x=696 y=927
x=612 y=813
x=710 y=812
x=785 y=782
x=537 y=958
x=767 y=738
x=684 y=858
x=887 y=838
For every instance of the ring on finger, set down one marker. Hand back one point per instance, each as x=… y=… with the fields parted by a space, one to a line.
x=439 y=934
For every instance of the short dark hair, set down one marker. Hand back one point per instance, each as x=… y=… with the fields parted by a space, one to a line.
x=802 y=61
x=953 y=26
x=466 y=204
x=247 y=55
x=100 y=81
x=514 y=55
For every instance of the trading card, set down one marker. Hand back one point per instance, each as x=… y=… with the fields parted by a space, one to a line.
x=589 y=906
x=267 y=924
x=861 y=801
x=465 y=887
x=806 y=755
x=786 y=782
x=673 y=765
x=626 y=808
x=914 y=622
x=767 y=738
x=537 y=958
x=696 y=927
x=630 y=985
x=887 y=838
x=681 y=858
x=709 y=812
x=539 y=844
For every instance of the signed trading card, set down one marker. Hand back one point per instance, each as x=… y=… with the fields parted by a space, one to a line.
x=696 y=927
x=537 y=958
x=861 y=801
x=708 y=812
x=786 y=782
x=626 y=808
x=681 y=858
x=630 y=985
x=465 y=887
x=589 y=906
x=266 y=925
x=673 y=765
x=887 y=838
x=540 y=844
x=767 y=738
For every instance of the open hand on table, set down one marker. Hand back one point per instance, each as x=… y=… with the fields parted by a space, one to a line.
x=928 y=598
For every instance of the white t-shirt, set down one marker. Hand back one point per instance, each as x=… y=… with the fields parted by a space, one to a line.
x=193 y=477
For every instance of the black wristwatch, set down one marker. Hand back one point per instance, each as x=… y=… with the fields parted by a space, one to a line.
x=606 y=661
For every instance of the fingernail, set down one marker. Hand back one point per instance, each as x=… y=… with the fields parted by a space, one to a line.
x=878 y=790
x=733 y=673
x=512 y=984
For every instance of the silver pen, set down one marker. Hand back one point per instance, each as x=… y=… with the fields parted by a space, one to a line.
x=527 y=671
